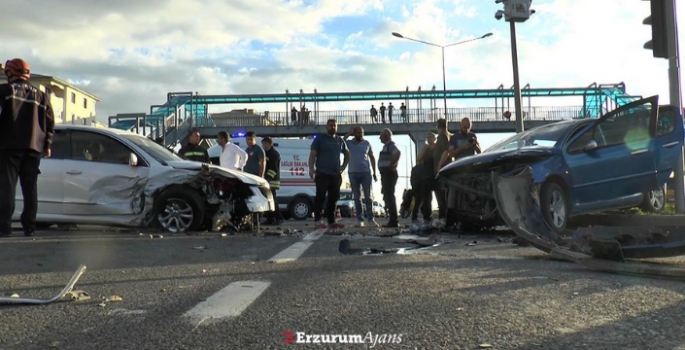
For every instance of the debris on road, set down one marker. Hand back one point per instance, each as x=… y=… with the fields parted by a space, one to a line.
x=601 y=249
x=78 y=295
x=59 y=296
x=345 y=247
x=156 y=236
x=202 y=247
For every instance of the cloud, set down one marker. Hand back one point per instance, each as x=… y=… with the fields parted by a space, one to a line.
x=131 y=53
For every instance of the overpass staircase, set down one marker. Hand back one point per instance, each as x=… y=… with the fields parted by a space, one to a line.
x=606 y=98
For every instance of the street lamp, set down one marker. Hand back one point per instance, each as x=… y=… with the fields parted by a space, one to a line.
x=444 y=82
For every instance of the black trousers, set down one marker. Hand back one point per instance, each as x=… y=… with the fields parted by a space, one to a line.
x=423 y=195
x=24 y=166
x=275 y=215
x=441 y=197
x=326 y=184
x=388 y=184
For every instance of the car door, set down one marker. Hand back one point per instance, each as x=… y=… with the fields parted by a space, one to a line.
x=98 y=179
x=50 y=189
x=669 y=141
x=621 y=163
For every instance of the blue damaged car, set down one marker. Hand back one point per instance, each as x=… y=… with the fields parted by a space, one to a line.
x=620 y=160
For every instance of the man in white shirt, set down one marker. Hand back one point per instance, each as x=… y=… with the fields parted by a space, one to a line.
x=232 y=156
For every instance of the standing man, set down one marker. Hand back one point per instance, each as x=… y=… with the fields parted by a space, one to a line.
x=325 y=153
x=361 y=160
x=27 y=125
x=382 y=110
x=193 y=151
x=256 y=164
x=387 y=164
x=425 y=183
x=374 y=114
x=232 y=157
x=464 y=143
x=273 y=176
x=403 y=112
x=390 y=109
x=440 y=156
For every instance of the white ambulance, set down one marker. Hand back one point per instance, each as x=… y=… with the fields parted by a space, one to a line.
x=296 y=195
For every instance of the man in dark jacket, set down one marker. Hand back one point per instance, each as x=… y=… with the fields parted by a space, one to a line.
x=193 y=151
x=273 y=175
x=27 y=125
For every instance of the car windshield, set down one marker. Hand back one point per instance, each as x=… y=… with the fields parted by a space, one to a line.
x=543 y=136
x=155 y=150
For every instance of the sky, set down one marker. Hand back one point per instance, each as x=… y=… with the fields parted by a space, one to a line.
x=131 y=53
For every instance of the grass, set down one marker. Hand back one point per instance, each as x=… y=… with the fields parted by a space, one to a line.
x=668 y=210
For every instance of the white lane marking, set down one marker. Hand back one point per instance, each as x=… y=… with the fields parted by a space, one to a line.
x=314 y=235
x=296 y=250
x=291 y=253
x=228 y=302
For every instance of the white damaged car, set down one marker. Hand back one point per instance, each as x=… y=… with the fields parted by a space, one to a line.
x=114 y=177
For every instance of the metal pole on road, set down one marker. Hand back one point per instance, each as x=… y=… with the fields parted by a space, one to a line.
x=675 y=95
x=517 y=84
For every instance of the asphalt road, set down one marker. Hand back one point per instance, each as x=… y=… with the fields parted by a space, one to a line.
x=454 y=296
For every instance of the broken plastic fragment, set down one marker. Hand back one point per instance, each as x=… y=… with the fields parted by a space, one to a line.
x=115 y=298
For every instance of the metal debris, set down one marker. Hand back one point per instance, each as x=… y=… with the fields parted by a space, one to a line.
x=60 y=295
x=605 y=250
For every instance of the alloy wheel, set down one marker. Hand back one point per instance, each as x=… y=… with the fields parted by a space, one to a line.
x=177 y=215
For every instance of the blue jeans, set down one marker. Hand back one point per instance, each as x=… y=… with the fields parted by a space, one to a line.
x=362 y=181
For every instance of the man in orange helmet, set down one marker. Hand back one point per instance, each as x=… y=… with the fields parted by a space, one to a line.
x=26 y=127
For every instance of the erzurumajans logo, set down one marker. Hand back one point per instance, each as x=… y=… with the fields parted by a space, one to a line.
x=368 y=338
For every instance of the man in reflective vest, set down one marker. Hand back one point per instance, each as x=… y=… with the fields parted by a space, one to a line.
x=273 y=175
x=193 y=151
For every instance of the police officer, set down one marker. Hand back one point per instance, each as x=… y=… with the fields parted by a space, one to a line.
x=273 y=175
x=27 y=125
x=193 y=151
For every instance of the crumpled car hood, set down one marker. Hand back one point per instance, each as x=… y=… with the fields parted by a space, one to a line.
x=242 y=176
x=526 y=154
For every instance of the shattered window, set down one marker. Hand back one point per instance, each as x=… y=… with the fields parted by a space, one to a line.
x=543 y=136
x=92 y=147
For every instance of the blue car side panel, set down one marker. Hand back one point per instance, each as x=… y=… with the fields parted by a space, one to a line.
x=669 y=141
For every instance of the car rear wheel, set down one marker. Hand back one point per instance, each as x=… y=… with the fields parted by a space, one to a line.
x=179 y=209
x=300 y=209
x=554 y=205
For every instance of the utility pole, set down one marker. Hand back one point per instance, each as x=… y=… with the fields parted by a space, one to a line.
x=675 y=94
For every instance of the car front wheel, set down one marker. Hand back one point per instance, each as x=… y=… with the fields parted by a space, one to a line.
x=554 y=205
x=179 y=209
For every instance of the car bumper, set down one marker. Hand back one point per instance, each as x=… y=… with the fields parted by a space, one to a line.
x=261 y=200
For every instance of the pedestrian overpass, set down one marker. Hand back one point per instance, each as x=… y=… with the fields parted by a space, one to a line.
x=172 y=121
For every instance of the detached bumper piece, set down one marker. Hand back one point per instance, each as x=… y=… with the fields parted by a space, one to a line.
x=601 y=248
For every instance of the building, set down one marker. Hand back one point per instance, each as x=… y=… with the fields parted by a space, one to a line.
x=70 y=103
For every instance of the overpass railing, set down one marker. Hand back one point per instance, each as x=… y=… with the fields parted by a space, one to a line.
x=362 y=117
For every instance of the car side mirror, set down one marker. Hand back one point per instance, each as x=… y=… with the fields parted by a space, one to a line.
x=133 y=160
x=590 y=146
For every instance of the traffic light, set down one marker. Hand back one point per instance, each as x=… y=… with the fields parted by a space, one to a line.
x=659 y=42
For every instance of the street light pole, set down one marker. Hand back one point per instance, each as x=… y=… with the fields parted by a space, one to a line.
x=444 y=82
x=444 y=74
